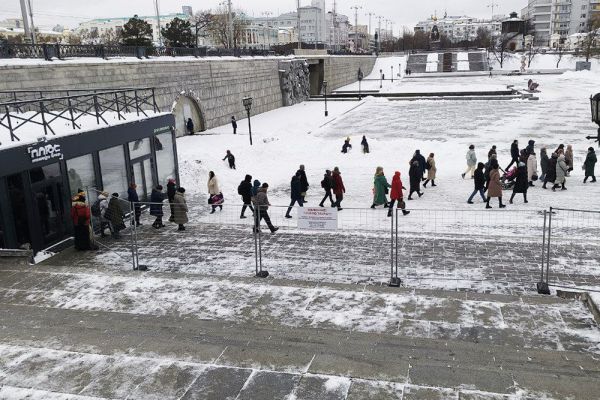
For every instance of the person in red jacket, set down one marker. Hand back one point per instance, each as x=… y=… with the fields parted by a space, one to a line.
x=338 y=188
x=397 y=195
x=80 y=214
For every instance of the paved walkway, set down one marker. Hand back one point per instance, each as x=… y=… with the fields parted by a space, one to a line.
x=450 y=262
x=92 y=334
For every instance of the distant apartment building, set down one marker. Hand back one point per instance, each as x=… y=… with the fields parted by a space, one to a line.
x=459 y=28
x=552 y=19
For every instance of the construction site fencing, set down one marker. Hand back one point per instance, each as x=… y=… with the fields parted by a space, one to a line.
x=571 y=255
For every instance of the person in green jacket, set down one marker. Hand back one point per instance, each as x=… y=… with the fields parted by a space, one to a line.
x=380 y=189
x=589 y=165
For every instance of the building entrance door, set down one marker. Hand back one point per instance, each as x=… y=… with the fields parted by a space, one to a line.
x=48 y=209
x=142 y=176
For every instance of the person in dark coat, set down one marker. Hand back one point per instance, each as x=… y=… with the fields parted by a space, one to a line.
x=327 y=185
x=230 y=159
x=415 y=176
x=480 y=183
x=114 y=214
x=551 y=172
x=492 y=152
x=295 y=193
x=133 y=198
x=544 y=163
x=80 y=215
x=181 y=209
x=190 y=126
x=234 y=124
x=245 y=190
x=338 y=188
x=171 y=190
x=495 y=185
x=422 y=163
x=347 y=146
x=156 y=207
x=365 y=145
x=589 y=165
x=261 y=201
x=530 y=148
x=303 y=182
x=521 y=183
x=514 y=154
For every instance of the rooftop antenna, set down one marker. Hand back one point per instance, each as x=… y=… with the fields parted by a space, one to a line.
x=492 y=6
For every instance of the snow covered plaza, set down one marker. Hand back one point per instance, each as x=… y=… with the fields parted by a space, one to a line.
x=467 y=322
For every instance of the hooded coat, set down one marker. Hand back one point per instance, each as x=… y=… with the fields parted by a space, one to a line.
x=255 y=187
x=213 y=186
x=569 y=157
x=303 y=180
x=544 y=162
x=114 y=212
x=530 y=147
x=180 y=217
x=521 y=181
x=338 y=184
x=422 y=162
x=471 y=158
x=494 y=187
x=156 y=198
x=414 y=174
x=551 y=173
x=561 y=170
x=380 y=184
x=590 y=163
x=396 y=192
x=246 y=191
x=296 y=188
x=514 y=151
x=531 y=167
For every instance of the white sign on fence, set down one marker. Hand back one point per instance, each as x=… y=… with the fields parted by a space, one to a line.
x=317 y=218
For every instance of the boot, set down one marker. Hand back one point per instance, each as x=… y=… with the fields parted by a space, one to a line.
x=511 y=198
x=405 y=212
x=389 y=214
x=501 y=205
x=220 y=208
x=563 y=187
x=487 y=203
x=593 y=179
x=242 y=216
x=373 y=206
x=420 y=194
x=274 y=229
x=463 y=176
x=425 y=184
x=321 y=205
x=288 y=216
x=213 y=211
x=525 y=198
x=433 y=183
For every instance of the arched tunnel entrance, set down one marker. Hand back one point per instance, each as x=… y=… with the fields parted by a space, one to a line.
x=186 y=107
x=316 y=68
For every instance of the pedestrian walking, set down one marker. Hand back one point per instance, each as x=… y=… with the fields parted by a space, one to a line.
x=487 y=169
x=492 y=152
x=245 y=190
x=134 y=199
x=181 y=209
x=114 y=214
x=365 y=145
x=295 y=194
x=80 y=215
x=544 y=163
x=480 y=183
x=414 y=175
x=234 y=124
x=98 y=210
x=156 y=206
x=532 y=171
x=347 y=146
x=397 y=195
x=303 y=182
x=327 y=184
x=530 y=148
x=561 y=174
x=569 y=159
x=230 y=159
x=190 y=126
x=521 y=183
x=418 y=157
x=215 y=198
x=551 y=172
x=431 y=170
x=255 y=186
x=494 y=186
x=589 y=165
x=471 y=162
x=514 y=154
x=380 y=188
x=262 y=206
x=338 y=188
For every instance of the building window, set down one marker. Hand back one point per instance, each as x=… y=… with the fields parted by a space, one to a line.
x=165 y=158
x=112 y=165
x=139 y=148
x=80 y=171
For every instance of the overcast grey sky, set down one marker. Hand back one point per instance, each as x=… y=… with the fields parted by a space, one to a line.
x=403 y=12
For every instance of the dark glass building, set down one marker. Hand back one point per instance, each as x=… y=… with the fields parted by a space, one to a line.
x=37 y=180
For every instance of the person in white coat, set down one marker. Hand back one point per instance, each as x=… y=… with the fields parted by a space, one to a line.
x=532 y=168
x=471 y=162
x=561 y=172
x=214 y=191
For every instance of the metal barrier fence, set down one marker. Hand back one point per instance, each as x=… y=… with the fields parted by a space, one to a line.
x=484 y=250
x=571 y=251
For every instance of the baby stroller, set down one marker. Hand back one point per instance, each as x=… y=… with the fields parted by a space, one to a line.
x=508 y=179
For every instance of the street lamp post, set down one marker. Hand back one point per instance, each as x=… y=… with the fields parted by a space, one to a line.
x=325 y=92
x=247 y=101
x=392 y=74
x=360 y=78
x=595 y=104
x=380 y=78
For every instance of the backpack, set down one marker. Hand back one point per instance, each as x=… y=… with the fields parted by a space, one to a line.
x=95 y=209
x=323 y=183
x=240 y=188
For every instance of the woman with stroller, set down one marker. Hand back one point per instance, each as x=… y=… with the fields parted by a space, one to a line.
x=532 y=168
x=521 y=183
x=494 y=186
x=380 y=188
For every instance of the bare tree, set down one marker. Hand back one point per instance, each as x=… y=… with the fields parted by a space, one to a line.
x=219 y=29
x=560 y=51
x=591 y=46
x=201 y=23
x=501 y=49
x=532 y=51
